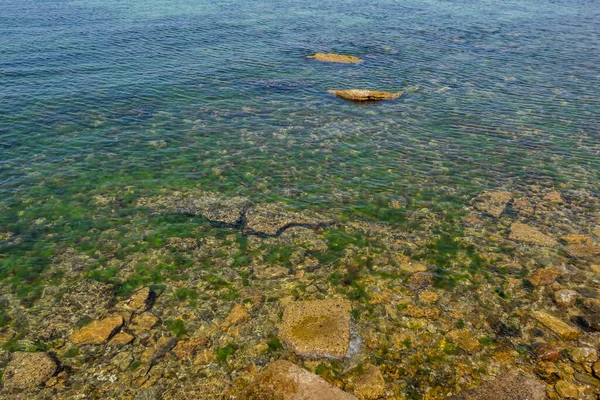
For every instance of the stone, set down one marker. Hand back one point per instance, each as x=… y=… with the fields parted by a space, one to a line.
x=595 y=268
x=464 y=340
x=557 y=326
x=122 y=360
x=140 y=301
x=554 y=197
x=366 y=382
x=317 y=328
x=566 y=390
x=587 y=379
x=89 y=298
x=428 y=297
x=589 y=322
x=97 y=332
x=151 y=393
x=544 y=276
x=575 y=239
x=337 y=58
x=583 y=251
x=492 y=202
x=186 y=349
x=523 y=207
x=270 y=271
x=238 y=315
x=413 y=268
x=272 y=219
x=283 y=380
x=28 y=370
x=596 y=369
x=592 y=305
x=527 y=234
x=364 y=95
x=547 y=371
x=511 y=386
x=420 y=280
x=205 y=357
x=121 y=339
x=144 y=322
x=545 y=352
x=565 y=297
x=583 y=355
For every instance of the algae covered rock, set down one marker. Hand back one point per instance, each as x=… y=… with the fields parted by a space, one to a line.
x=336 y=58
x=317 y=328
x=98 y=331
x=283 y=380
x=272 y=219
x=366 y=382
x=365 y=95
x=511 y=386
x=28 y=370
x=492 y=202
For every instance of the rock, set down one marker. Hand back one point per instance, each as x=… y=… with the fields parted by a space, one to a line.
x=122 y=360
x=511 y=386
x=338 y=58
x=589 y=322
x=140 y=301
x=583 y=355
x=523 y=207
x=413 y=268
x=526 y=234
x=587 y=379
x=565 y=297
x=270 y=271
x=144 y=322
x=596 y=369
x=420 y=280
x=121 y=339
x=282 y=380
x=554 y=197
x=566 y=390
x=544 y=276
x=583 y=251
x=595 y=269
x=97 y=332
x=151 y=393
x=365 y=95
x=492 y=202
x=317 y=328
x=545 y=352
x=88 y=298
x=28 y=370
x=557 y=326
x=464 y=340
x=238 y=315
x=548 y=372
x=592 y=305
x=366 y=382
x=205 y=357
x=186 y=349
x=428 y=297
x=272 y=219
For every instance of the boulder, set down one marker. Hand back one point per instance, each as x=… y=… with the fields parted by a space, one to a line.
x=545 y=352
x=186 y=349
x=511 y=386
x=283 y=380
x=366 y=382
x=365 y=95
x=544 y=276
x=317 y=328
x=336 y=58
x=566 y=390
x=557 y=326
x=28 y=370
x=98 y=331
x=492 y=202
x=583 y=355
x=524 y=233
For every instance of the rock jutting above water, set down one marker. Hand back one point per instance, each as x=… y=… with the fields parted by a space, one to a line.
x=317 y=328
x=28 y=370
x=492 y=202
x=365 y=95
x=336 y=58
x=283 y=380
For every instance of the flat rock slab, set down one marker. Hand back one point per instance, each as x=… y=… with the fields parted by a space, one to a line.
x=317 y=328
x=336 y=58
x=492 y=202
x=511 y=386
x=98 y=331
x=28 y=370
x=365 y=95
x=527 y=234
x=557 y=326
x=272 y=219
x=283 y=380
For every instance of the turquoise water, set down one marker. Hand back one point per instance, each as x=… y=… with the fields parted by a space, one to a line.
x=119 y=100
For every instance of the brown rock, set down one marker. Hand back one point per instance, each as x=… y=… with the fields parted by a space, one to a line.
x=464 y=340
x=492 y=202
x=283 y=380
x=511 y=386
x=338 y=58
x=238 y=315
x=526 y=234
x=420 y=280
x=364 y=95
x=366 y=382
x=144 y=322
x=523 y=207
x=270 y=271
x=563 y=330
x=545 y=352
x=186 y=349
x=428 y=297
x=592 y=305
x=121 y=339
x=554 y=197
x=98 y=331
x=272 y=219
x=544 y=276
x=28 y=370
x=583 y=355
x=566 y=390
x=596 y=369
x=140 y=301
x=548 y=371
x=565 y=297
x=205 y=357
x=318 y=328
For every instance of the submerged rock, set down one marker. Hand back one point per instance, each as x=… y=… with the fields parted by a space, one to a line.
x=272 y=219
x=28 y=370
x=565 y=297
x=511 y=386
x=557 y=326
x=492 y=202
x=140 y=301
x=366 y=382
x=544 y=276
x=317 y=328
x=527 y=234
x=338 y=58
x=98 y=331
x=283 y=380
x=464 y=340
x=365 y=95
x=566 y=390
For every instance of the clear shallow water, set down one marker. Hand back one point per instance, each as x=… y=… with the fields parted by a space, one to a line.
x=114 y=99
